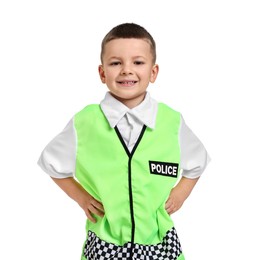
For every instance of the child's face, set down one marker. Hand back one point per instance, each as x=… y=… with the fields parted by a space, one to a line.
x=127 y=69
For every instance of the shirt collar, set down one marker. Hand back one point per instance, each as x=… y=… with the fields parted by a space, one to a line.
x=145 y=112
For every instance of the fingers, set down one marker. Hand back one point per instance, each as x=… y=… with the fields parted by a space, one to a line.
x=172 y=206
x=89 y=216
x=171 y=209
x=94 y=208
x=97 y=205
x=95 y=211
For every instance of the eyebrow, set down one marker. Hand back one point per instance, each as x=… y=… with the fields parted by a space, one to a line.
x=119 y=58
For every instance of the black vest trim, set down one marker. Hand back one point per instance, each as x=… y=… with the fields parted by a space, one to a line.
x=130 y=154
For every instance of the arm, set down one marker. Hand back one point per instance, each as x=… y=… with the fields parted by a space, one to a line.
x=179 y=194
x=75 y=191
x=58 y=159
x=194 y=159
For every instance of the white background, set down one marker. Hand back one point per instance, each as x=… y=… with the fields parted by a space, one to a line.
x=49 y=54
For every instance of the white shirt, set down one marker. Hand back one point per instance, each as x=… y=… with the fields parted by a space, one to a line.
x=130 y=121
x=58 y=159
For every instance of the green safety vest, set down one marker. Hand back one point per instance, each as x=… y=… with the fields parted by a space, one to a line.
x=132 y=186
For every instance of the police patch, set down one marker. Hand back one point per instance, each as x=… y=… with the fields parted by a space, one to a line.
x=164 y=168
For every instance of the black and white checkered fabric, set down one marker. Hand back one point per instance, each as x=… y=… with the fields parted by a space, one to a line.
x=97 y=249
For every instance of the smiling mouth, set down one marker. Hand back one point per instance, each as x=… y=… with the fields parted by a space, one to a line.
x=127 y=83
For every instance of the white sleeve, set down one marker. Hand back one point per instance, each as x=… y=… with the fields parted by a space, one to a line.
x=194 y=157
x=58 y=159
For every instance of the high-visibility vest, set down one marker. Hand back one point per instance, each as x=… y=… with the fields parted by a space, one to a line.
x=132 y=186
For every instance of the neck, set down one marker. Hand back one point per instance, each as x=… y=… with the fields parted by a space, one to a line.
x=132 y=102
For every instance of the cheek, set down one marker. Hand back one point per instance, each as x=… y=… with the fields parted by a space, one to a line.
x=110 y=74
x=149 y=76
x=109 y=77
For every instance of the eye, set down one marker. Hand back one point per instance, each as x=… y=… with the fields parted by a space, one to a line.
x=138 y=62
x=115 y=63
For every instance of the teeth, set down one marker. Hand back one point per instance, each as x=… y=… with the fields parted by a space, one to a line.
x=128 y=82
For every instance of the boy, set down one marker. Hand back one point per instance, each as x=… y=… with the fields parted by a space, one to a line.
x=120 y=160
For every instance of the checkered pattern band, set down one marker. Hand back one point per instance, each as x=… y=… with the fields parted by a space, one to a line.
x=97 y=249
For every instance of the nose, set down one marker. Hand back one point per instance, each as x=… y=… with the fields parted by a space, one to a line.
x=126 y=69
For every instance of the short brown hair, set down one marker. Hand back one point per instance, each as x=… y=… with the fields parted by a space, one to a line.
x=127 y=31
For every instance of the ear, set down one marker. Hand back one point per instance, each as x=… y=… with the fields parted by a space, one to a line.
x=154 y=73
x=102 y=74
